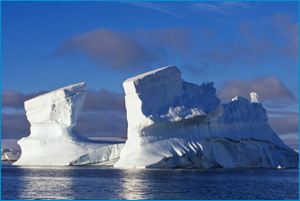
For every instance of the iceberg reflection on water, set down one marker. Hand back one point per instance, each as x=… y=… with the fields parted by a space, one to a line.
x=97 y=183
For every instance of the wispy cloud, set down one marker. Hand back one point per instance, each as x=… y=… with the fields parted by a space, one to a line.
x=224 y=7
x=154 y=6
x=210 y=6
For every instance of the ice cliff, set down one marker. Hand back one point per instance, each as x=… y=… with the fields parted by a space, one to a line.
x=52 y=141
x=171 y=124
x=176 y=124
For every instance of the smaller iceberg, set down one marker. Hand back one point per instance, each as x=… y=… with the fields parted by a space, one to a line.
x=10 y=150
x=52 y=141
x=10 y=154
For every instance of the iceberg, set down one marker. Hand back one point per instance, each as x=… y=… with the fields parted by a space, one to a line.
x=10 y=150
x=171 y=124
x=176 y=124
x=52 y=117
x=10 y=154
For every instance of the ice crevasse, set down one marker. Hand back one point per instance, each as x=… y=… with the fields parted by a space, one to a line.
x=171 y=124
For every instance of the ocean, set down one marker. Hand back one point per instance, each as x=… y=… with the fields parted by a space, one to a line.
x=98 y=183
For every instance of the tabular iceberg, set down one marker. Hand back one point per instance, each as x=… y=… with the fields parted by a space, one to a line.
x=173 y=123
x=52 y=117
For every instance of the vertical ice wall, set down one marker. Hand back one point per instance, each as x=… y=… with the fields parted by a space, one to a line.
x=52 y=117
x=153 y=100
x=172 y=123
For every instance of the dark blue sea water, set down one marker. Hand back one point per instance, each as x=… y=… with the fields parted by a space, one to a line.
x=109 y=183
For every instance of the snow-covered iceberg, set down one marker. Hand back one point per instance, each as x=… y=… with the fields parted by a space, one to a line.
x=52 y=117
x=173 y=123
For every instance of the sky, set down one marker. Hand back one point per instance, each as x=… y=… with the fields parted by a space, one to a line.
x=240 y=46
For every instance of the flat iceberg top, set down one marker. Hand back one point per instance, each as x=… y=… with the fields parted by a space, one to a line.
x=160 y=70
x=54 y=96
x=152 y=79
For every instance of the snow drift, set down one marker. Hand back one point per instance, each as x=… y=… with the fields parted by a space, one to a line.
x=176 y=124
x=52 y=117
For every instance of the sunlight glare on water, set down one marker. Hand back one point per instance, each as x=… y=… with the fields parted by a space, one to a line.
x=132 y=184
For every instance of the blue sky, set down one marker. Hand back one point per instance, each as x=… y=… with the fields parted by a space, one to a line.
x=240 y=46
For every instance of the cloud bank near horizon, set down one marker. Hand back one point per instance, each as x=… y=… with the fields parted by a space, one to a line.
x=104 y=112
x=269 y=88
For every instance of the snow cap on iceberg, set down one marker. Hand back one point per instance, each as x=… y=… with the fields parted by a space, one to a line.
x=61 y=106
x=54 y=96
x=254 y=97
x=152 y=79
x=237 y=98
